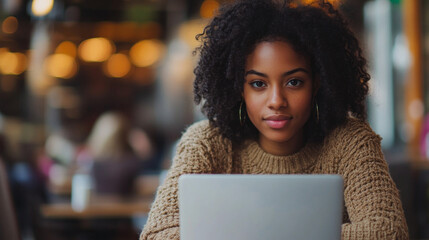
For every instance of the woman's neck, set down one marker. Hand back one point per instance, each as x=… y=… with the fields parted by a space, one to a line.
x=282 y=148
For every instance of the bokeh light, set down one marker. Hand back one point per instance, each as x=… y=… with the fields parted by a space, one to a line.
x=190 y=29
x=3 y=51
x=12 y=63
x=22 y=63
x=147 y=52
x=96 y=49
x=41 y=7
x=117 y=66
x=209 y=8
x=60 y=66
x=68 y=48
x=10 y=25
x=8 y=63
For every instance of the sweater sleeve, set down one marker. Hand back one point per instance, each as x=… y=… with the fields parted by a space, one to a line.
x=371 y=197
x=194 y=154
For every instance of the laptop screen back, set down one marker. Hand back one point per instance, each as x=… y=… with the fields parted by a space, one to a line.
x=260 y=207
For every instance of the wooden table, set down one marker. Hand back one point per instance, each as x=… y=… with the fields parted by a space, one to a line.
x=105 y=206
x=99 y=207
x=106 y=217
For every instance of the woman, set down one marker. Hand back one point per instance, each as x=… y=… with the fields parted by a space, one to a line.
x=284 y=88
x=108 y=154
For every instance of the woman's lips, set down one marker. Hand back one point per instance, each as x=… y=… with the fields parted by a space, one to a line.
x=277 y=121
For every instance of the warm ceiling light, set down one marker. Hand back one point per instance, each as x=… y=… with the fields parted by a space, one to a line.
x=95 y=49
x=8 y=63
x=146 y=53
x=209 y=8
x=22 y=63
x=10 y=25
x=67 y=48
x=3 y=51
x=12 y=63
x=188 y=31
x=61 y=66
x=117 y=66
x=41 y=7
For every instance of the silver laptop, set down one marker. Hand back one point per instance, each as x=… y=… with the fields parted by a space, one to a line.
x=255 y=207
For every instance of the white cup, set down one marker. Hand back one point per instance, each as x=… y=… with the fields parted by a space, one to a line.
x=81 y=191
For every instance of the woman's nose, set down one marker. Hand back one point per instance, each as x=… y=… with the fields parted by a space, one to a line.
x=277 y=98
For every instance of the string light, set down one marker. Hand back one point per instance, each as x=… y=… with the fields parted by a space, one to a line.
x=10 y=25
x=95 y=49
x=117 y=66
x=67 y=48
x=61 y=66
x=146 y=53
x=209 y=8
x=41 y=7
x=12 y=63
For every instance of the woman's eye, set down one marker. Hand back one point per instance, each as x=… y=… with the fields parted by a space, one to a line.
x=294 y=82
x=257 y=84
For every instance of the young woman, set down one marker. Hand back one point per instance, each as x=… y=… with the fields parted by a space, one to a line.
x=284 y=87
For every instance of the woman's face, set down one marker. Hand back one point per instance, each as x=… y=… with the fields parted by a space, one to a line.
x=278 y=93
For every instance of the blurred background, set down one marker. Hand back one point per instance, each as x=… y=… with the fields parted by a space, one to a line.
x=94 y=95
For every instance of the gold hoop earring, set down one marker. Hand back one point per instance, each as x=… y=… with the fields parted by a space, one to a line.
x=317 y=113
x=240 y=114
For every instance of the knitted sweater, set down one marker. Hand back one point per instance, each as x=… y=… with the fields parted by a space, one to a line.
x=372 y=207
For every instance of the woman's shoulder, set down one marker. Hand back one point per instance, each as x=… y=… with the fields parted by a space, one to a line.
x=353 y=129
x=352 y=140
x=203 y=132
x=201 y=129
x=202 y=141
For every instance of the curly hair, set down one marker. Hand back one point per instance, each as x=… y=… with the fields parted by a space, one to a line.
x=317 y=31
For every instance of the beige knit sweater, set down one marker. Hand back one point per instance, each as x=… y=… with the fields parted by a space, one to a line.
x=372 y=206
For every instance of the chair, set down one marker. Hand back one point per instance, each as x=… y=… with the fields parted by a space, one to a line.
x=8 y=222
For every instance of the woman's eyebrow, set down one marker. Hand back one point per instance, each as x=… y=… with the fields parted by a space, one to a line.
x=284 y=74
x=294 y=71
x=255 y=73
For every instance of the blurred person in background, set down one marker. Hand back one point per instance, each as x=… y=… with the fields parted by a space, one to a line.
x=27 y=185
x=108 y=155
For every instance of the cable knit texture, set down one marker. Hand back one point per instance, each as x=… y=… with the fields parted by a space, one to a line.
x=372 y=207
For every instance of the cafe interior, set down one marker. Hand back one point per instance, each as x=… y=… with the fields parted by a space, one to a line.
x=85 y=83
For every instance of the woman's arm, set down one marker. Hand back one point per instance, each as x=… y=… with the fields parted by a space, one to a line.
x=371 y=197
x=194 y=155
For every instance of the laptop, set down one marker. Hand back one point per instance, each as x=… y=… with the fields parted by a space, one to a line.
x=255 y=207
